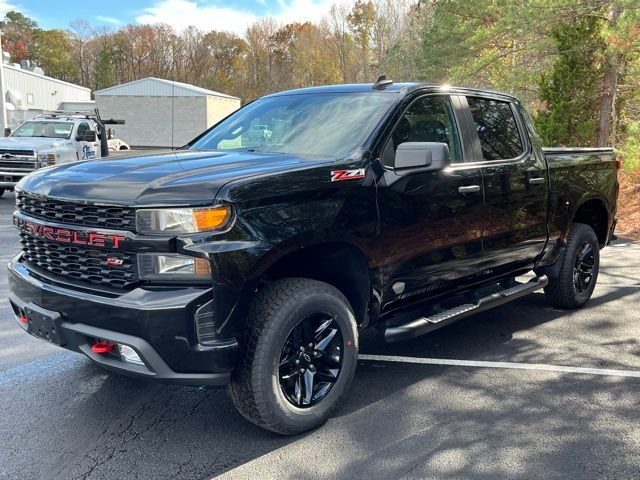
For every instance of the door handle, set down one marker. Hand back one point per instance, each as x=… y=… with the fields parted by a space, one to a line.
x=469 y=189
x=536 y=181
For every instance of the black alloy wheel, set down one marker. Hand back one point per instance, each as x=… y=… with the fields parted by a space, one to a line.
x=311 y=360
x=298 y=356
x=584 y=267
x=573 y=278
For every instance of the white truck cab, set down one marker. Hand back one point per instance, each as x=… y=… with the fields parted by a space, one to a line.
x=51 y=139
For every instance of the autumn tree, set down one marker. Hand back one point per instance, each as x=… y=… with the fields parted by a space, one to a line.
x=51 y=50
x=18 y=34
x=105 y=54
x=82 y=32
x=341 y=44
x=362 y=21
x=227 y=63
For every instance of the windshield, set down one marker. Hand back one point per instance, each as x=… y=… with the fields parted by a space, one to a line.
x=44 y=129
x=320 y=124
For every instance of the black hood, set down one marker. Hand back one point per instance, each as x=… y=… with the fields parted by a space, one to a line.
x=184 y=177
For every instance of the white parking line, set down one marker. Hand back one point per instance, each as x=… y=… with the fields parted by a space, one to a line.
x=517 y=366
x=618 y=285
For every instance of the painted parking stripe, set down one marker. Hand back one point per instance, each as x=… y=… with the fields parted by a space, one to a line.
x=516 y=366
x=618 y=285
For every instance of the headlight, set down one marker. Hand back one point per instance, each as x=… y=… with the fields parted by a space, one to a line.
x=47 y=159
x=182 y=220
x=173 y=267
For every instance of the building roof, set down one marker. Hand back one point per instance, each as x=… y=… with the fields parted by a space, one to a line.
x=22 y=71
x=159 y=87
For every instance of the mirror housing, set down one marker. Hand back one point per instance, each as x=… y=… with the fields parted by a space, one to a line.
x=87 y=137
x=423 y=156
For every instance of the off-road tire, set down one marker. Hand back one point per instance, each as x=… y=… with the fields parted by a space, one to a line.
x=561 y=291
x=275 y=310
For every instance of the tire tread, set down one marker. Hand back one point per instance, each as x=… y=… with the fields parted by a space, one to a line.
x=245 y=388
x=560 y=291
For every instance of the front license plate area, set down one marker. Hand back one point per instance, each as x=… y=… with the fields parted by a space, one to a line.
x=44 y=324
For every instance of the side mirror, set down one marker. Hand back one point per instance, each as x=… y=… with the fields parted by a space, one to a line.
x=87 y=137
x=7 y=132
x=423 y=156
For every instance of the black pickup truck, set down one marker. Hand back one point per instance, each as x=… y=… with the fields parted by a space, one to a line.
x=255 y=255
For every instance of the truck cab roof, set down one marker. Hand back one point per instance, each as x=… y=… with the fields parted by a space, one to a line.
x=54 y=117
x=399 y=88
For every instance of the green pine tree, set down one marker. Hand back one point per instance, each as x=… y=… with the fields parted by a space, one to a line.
x=568 y=113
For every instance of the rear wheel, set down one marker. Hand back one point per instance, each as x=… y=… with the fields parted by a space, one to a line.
x=298 y=356
x=578 y=269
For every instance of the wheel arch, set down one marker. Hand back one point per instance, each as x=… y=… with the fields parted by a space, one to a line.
x=340 y=264
x=594 y=212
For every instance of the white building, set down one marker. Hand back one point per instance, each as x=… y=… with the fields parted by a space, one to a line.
x=27 y=92
x=162 y=113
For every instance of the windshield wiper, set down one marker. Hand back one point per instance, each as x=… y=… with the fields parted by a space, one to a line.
x=253 y=150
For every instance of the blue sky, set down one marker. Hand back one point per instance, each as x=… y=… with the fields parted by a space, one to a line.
x=230 y=15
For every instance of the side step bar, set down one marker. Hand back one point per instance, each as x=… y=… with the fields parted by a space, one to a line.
x=422 y=325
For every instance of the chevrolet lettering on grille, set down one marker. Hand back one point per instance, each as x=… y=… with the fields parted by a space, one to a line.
x=68 y=235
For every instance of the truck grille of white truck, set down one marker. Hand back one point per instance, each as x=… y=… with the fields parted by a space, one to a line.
x=14 y=164
x=16 y=153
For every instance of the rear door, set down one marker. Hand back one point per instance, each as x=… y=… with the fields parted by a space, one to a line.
x=515 y=181
x=431 y=220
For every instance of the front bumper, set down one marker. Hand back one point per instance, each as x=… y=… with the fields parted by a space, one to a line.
x=158 y=324
x=8 y=185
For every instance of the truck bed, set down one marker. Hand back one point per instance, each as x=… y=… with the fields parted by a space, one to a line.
x=578 y=175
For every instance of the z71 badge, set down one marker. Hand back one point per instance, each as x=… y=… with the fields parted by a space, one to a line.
x=340 y=175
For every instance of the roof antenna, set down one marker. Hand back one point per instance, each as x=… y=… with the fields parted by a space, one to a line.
x=382 y=83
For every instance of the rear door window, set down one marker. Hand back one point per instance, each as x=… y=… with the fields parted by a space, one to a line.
x=497 y=128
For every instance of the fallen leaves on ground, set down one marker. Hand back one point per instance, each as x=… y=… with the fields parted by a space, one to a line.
x=629 y=204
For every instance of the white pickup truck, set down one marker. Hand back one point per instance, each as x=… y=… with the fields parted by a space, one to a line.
x=52 y=139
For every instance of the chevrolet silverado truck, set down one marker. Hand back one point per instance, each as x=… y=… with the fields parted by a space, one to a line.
x=256 y=255
x=53 y=139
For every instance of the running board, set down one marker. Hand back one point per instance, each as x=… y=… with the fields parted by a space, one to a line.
x=422 y=325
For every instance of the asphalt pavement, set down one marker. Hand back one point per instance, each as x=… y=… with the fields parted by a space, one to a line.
x=508 y=410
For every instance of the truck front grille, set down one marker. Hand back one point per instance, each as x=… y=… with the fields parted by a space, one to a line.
x=70 y=213
x=83 y=264
x=20 y=166
x=16 y=153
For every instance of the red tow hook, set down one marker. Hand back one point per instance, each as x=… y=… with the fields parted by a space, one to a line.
x=24 y=319
x=103 y=347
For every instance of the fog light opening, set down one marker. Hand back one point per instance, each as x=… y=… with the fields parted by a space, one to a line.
x=129 y=355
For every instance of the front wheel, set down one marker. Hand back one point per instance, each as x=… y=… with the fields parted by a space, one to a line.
x=578 y=269
x=298 y=356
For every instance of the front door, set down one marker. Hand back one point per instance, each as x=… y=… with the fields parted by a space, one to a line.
x=515 y=185
x=431 y=221
x=86 y=150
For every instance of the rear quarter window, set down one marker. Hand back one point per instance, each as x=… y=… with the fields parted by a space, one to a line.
x=497 y=128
